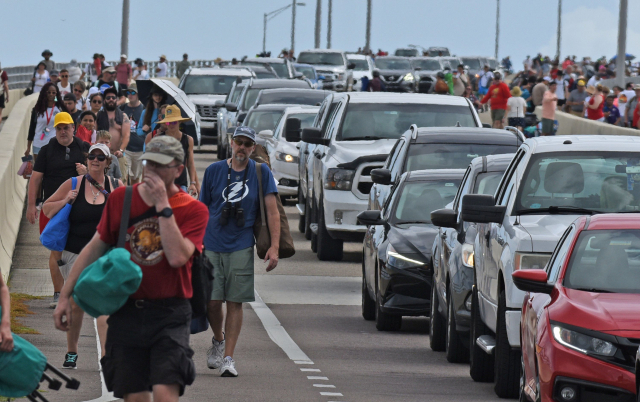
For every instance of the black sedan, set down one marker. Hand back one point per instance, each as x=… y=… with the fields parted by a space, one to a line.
x=396 y=271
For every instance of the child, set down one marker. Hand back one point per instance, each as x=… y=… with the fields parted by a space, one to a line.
x=87 y=129
x=103 y=137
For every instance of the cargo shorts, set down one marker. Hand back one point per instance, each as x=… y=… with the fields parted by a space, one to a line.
x=233 y=273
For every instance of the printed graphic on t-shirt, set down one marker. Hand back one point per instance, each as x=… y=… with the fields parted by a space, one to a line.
x=145 y=242
x=234 y=192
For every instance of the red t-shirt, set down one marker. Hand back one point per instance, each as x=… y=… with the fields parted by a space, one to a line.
x=159 y=279
x=499 y=94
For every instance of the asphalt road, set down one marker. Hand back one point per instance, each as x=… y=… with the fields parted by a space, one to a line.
x=303 y=340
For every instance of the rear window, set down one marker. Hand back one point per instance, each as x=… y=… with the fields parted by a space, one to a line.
x=208 y=84
x=264 y=120
x=451 y=156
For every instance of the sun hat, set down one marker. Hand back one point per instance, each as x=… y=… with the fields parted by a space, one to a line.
x=516 y=91
x=47 y=51
x=133 y=87
x=109 y=70
x=244 y=131
x=62 y=118
x=101 y=147
x=173 y=114
x=163 y=149
x=162 y=56
x=591 y=89
x=547 y=78
x=123 y=55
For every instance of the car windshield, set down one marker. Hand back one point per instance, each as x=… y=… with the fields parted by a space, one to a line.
x=389 y=120
x=361 y=65
x=236 y=93
x=433 y=52
x=406 y=52
x=208 y=84
x=293 y=97
x=263 y=119
x=308 y=72
x=393 y=64
x=473 y=63
x=418 y=199
x=605 y=261
x=451 y=156
x=330 y=59
x=487 y=183
x=428 y=65
x=265 y=74
x=250 y=97
x=279 y=68
x=595 y=181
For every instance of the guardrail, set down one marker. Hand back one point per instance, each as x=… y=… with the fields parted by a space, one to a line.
x=14 y=96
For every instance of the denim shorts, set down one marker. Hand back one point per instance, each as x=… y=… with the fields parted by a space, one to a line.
x=233 y=273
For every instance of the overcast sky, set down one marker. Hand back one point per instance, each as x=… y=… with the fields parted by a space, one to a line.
x=207 y=29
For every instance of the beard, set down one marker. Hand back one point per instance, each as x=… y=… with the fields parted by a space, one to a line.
x=240 y=157
x=110 y=106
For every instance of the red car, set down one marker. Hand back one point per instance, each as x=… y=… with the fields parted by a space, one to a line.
x=580 y=325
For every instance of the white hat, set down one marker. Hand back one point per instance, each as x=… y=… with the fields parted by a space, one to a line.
x=123 y=55
x=101 y=147
x=93 y=90
x=547 y=78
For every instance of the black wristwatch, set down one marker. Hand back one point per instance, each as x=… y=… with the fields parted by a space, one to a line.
x=166 y=213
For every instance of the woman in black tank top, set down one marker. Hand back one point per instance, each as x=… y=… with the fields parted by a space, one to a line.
x=89 y=199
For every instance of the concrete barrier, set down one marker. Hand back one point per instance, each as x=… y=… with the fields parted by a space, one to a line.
x=13 y=188
x=14 y=96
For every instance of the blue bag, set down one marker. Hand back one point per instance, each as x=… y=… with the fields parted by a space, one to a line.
x=54 y=236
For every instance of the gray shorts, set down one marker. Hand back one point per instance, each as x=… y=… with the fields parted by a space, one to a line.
x=68 y=258
x=547 y=126
x=135 y=164
x=233 y=275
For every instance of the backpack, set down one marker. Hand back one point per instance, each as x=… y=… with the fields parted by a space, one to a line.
x=441 y=87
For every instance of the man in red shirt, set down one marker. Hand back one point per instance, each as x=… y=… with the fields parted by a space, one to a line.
x=123 y=73
x=148 y=338
x=499 y=94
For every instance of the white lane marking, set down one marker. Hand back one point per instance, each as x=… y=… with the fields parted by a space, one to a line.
x=106 y=395
x=313 y=377
x=330 y=394
x=277 y=333
x=313 y=370
x=324 y=386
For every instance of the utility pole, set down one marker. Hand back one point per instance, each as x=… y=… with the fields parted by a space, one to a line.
x=293 y=25
x=124 y=39
x=622 y=44
x=329 y=26
x=367 y=45
x=318 y=22
x=559 y=35
x=497 y=27
x=264 y=34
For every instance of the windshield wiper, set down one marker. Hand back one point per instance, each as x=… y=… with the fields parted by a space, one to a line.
x=595 y=290
x=409 y=222
x=559 y=210
x=366 y=137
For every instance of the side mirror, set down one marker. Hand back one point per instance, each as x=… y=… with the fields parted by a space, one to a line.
x=219 y=103
x=266 y=134
x=321 y=77
x=446 y=218
x=232 y=107
x=381 y=176
x=532 y=280
x=298 y=75
x=241 y=117
x=351 y=66
x=487 y=125
x=371 y=217
x=292 y=130
x=481 y=208
x=313 y=135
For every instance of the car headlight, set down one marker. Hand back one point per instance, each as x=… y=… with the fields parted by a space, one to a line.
x=408 y=77
x=285 y=157
x=339 y=179
x=583 y=343
x=530 y=261
x=398 y=260
x=467 y=255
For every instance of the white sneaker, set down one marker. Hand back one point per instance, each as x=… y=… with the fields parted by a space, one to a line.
x=215 y=354
x=228 y=368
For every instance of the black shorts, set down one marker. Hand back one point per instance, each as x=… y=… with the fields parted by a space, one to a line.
x=148 y=344
x=1 y=102
x=561 y=102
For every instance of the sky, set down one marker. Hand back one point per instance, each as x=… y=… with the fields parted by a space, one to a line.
x=207 y=29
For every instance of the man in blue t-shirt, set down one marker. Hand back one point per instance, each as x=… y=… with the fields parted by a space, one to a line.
x=230 y=191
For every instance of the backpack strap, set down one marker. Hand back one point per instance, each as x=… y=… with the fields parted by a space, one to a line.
x=259 y=175
x=124 y=220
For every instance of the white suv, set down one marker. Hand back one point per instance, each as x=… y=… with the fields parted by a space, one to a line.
x=333 y=65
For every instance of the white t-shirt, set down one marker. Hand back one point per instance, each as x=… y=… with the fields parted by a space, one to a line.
x=91 y=72
x=517 y=106
x=40 y=81
x=140 y=75
x=65 y=90
x=560 y=88
x=527 y=63
x=74 y=74
x=163 y=70
x=593 y=80
x=485 y=77
x=44 y=122
x=624 y=97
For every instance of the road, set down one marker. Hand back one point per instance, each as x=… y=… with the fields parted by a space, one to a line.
x=306 y=341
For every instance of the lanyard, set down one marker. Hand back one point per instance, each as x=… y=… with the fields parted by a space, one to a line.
x=244 y=181
x=49 y=116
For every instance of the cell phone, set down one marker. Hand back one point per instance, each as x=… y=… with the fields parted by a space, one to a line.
x=27 y=158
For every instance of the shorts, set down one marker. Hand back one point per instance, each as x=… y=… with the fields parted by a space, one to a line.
x=1 y=102
x=134 y=163
x=233 y=273
x=561 y=102
x=547 y=126
x=497 y=114
x=483 y=90
x=36 y=150
x=516 y=121
x=42 y=221
x=68 y=259
x=148 y=344
x=123 y=169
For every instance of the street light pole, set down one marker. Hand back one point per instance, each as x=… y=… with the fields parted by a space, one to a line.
x=264 y=34
x=329 y=26
x=293 y=24
x=124 y=38
x=559 y=34
x=272 y=15
x=497 y=27
x=318 y=22
x=367 y=45
x=622 y=44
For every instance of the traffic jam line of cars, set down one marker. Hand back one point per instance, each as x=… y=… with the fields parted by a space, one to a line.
x=524 y=254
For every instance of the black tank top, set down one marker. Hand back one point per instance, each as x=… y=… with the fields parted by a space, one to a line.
x=84 y=219
x=182 y=180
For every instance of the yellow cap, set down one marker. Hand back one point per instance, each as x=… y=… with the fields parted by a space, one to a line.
x=62 y=118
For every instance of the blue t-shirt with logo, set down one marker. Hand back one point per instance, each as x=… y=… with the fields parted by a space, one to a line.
x=214 y=193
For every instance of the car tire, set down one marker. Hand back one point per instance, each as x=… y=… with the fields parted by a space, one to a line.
x=301 y=218
x=437 y=331
x=386 y=321
x=457 y=352
x=368 y=304
x=307 y=220
x=329 y=249
x=480 y=363
x=507 y=361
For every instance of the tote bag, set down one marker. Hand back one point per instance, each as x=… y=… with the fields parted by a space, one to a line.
x=55 y=234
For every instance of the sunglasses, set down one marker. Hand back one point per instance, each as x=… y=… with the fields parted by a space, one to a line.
x=78 y=90
x=66 y=157
x=64 y=76
x=132 y=93
x=101 y=158
x=171 y=123
x=247 y=143
x=110 y=98
x=96 y=101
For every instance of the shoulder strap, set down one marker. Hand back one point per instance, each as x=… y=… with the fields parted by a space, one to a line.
x=124 y=220
x=259 y=174
x=114 y=183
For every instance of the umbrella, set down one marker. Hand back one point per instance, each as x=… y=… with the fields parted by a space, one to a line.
x=627 y=56
x=175 y=96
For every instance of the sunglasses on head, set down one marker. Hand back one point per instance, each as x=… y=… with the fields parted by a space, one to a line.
x=246 y=143
x=101 y=158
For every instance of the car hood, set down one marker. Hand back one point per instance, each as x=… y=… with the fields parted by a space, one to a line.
x=545 y=230
x=347 y=151
x=325 y=67
x=206 y=99
x=613 y=313
x=413 y=239
x=288 y=148
x=395 y=73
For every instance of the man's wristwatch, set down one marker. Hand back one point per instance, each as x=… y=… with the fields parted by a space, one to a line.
x=165 y=213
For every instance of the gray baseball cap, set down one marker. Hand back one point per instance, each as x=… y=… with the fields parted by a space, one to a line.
x=163 y=149
x=245 y=131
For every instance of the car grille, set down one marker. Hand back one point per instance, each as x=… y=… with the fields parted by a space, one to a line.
x=209 y=111
x=327 y=74
x=391 y=78
x=364 y=183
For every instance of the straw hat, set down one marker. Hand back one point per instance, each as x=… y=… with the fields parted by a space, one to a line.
x=591 y=89
x=516 y=91
x=172 y=114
